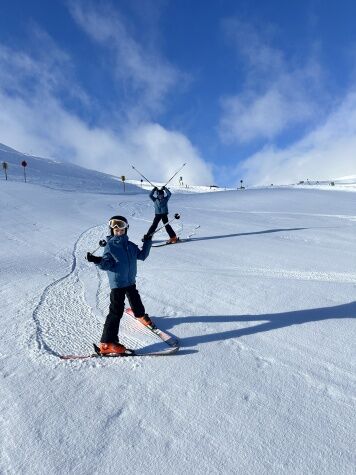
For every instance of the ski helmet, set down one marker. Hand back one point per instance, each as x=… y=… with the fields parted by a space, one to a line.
x=120 y=218
x=160 y=193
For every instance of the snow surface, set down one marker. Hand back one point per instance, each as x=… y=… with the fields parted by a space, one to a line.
x=262 y=299
x=58 y=175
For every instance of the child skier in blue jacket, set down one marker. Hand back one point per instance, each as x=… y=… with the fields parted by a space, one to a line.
x=160 y=201
x=120 y=261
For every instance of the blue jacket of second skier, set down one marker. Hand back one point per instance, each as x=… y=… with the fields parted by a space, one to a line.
x=120 y=260
x=161 y=206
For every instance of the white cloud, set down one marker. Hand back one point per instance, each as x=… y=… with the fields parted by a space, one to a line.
x=250 y=116
x=156 y=148
x=275 y=95
x=324 y=154
x=33 y=119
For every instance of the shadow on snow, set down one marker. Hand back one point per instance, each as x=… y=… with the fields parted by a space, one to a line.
x=224 y=236
x=270 y=322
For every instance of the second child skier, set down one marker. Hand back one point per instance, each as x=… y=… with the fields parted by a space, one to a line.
x=160 y=201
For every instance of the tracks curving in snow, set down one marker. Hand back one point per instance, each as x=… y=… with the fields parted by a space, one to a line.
x=70 y=314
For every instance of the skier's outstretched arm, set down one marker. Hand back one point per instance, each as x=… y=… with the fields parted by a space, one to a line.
x=143 y=253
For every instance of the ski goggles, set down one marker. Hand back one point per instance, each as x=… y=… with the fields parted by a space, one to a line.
x=117 y=223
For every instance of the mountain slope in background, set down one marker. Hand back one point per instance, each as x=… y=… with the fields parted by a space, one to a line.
x=60 y=175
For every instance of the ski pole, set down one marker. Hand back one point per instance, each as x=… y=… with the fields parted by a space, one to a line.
x=176 y=216
x=102 y=243
x=184 y=164
x=143 y=176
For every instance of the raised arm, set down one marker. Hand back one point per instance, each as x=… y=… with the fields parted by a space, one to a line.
x=152 y=194
x=143 y=253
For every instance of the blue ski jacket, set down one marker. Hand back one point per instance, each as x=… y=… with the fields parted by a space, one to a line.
x=161 y=206
x=120 y=260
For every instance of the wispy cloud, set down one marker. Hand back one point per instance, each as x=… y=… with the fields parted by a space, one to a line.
x=275 y=95
x=326 y=153
x=44 y=70
x=144 y=74
x=35 y=118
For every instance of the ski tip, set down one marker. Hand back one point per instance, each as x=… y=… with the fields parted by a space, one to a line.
x=172 y=342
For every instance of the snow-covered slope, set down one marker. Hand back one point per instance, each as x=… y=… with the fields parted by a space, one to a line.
x=175 y=187
x=262 y=298
x=59 y=175
x=346 y=183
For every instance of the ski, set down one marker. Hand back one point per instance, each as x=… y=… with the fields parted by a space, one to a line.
x=171 y=342
x=172 y=244
x=129 y=354
x=169 y=243
x=187 y=239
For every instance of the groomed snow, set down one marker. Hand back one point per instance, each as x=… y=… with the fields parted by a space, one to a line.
x=262 y=299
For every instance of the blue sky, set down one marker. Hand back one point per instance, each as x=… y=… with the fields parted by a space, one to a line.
x=257 y=90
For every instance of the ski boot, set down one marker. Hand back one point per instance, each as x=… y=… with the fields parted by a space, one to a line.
x=112 y=349
x=172 y=240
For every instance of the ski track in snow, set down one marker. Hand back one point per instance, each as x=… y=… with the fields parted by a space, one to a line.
x=292 y=213
x=71 y=329
x=336 y=277
x=135 y=210
x=65 y=322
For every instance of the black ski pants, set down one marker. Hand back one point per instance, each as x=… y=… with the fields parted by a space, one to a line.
x=164 y=218
x=116 y=309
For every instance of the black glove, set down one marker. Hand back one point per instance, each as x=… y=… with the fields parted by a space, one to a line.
x=147 y=237
x=155 y=188
x=92 y=258
x=163 y=188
